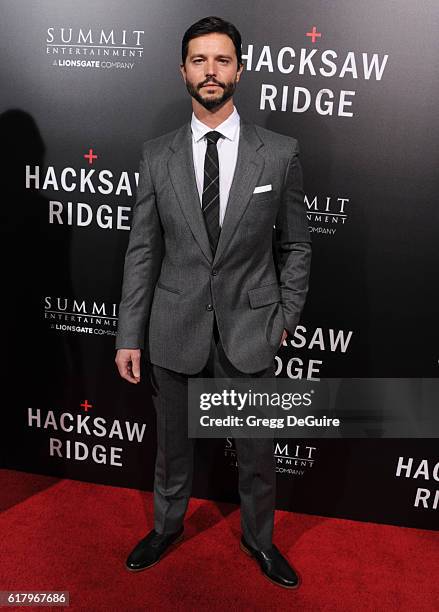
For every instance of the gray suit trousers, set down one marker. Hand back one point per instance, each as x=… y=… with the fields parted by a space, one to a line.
x=174 y=461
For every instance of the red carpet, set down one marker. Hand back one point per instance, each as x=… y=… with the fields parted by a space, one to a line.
x=69 y=535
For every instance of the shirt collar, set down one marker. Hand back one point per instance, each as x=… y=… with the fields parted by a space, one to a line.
x=228 y=128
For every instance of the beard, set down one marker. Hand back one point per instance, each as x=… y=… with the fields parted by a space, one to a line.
x=211 y=102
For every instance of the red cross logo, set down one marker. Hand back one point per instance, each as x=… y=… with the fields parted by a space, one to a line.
x=314 y=34
x=86 y=405
x=90 y=156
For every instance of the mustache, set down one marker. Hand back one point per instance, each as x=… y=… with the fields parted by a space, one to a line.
x=211 y=81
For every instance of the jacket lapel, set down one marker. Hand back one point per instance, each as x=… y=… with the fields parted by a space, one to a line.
x=249 y=165
x=182 y=173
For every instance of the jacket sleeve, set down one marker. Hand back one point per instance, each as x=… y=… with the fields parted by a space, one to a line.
x=142 y=265
x=293 y=243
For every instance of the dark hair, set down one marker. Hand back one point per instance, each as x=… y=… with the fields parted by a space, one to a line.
x=207 y=25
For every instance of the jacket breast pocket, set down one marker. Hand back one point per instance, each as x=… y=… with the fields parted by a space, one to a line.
x=261 y=212
x=263 y=196
x=265 y=295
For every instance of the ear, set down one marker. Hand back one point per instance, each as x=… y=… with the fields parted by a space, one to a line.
x=238 y=74
x=183 y=72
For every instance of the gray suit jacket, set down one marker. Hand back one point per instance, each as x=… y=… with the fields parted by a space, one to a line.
x=258 y=280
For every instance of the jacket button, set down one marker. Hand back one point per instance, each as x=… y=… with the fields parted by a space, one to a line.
x=214 y=272
x=209 y=307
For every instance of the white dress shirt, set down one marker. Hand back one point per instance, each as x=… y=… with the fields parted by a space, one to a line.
x=227 y=155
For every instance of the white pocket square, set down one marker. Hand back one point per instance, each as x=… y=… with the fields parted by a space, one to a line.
x=262 y=188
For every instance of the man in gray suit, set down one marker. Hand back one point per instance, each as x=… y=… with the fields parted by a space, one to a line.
x=216 y=275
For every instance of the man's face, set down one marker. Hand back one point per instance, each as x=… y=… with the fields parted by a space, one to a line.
x=211 y=69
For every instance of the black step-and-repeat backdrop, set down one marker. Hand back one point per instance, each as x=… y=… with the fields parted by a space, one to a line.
x=82 y=86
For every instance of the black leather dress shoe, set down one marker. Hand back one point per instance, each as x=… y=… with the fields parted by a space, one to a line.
x=273 y=565
x=150 y=550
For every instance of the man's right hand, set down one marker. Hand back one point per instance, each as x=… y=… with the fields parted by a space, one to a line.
x=128 y=364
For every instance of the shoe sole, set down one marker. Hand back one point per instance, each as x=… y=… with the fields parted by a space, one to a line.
x=141 y=569
x=246 y=550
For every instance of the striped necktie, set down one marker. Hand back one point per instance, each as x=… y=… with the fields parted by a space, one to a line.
x=210 y=199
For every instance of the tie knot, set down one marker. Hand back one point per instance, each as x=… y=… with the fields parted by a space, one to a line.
x=213 y=137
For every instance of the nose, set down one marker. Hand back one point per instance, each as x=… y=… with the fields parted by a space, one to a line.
x=210 y=68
